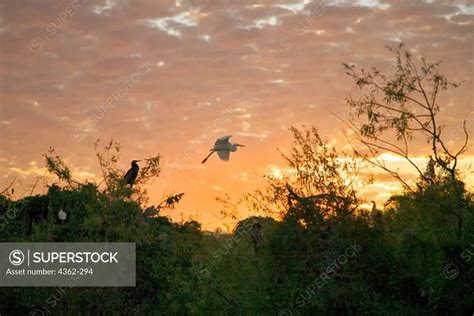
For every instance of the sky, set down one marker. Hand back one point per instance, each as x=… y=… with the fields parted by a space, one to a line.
x=170 y=77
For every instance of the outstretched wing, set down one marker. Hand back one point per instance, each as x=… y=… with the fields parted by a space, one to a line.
x=222 y=141
x=224 y=154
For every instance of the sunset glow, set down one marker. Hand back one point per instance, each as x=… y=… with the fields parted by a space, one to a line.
x=170 y=77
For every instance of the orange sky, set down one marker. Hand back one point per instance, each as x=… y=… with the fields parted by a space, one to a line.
x=170 y=77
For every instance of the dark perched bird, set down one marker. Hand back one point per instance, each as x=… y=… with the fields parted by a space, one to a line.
x=377 y=218
x=132 y=173
x=257 y=235
x=375 y=212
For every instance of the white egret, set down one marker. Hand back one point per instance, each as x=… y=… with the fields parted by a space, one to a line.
x=62 y=215
x=223 y=148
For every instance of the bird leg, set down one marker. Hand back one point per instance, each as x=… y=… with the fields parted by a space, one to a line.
x=205 y=159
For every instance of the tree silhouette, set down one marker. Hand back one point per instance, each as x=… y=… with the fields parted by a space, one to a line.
x=402 y=104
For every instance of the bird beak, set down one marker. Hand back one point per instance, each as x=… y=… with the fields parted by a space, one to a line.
x=239 y=145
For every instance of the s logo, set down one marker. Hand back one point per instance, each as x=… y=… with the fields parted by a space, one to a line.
x=16 y=257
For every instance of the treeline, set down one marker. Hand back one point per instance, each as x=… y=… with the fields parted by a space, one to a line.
x=325 y=254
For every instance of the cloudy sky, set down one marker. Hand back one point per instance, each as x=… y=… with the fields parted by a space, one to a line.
x=171 y=76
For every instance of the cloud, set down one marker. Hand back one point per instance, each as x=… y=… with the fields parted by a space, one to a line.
x=266 y=61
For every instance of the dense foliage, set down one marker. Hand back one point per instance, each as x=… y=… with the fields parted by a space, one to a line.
x=325 y=254
x=322 y=252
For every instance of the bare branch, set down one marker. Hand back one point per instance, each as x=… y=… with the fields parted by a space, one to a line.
x=9 y=186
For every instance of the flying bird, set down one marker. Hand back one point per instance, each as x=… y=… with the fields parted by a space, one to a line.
x=132 y=173
x=223 y=148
